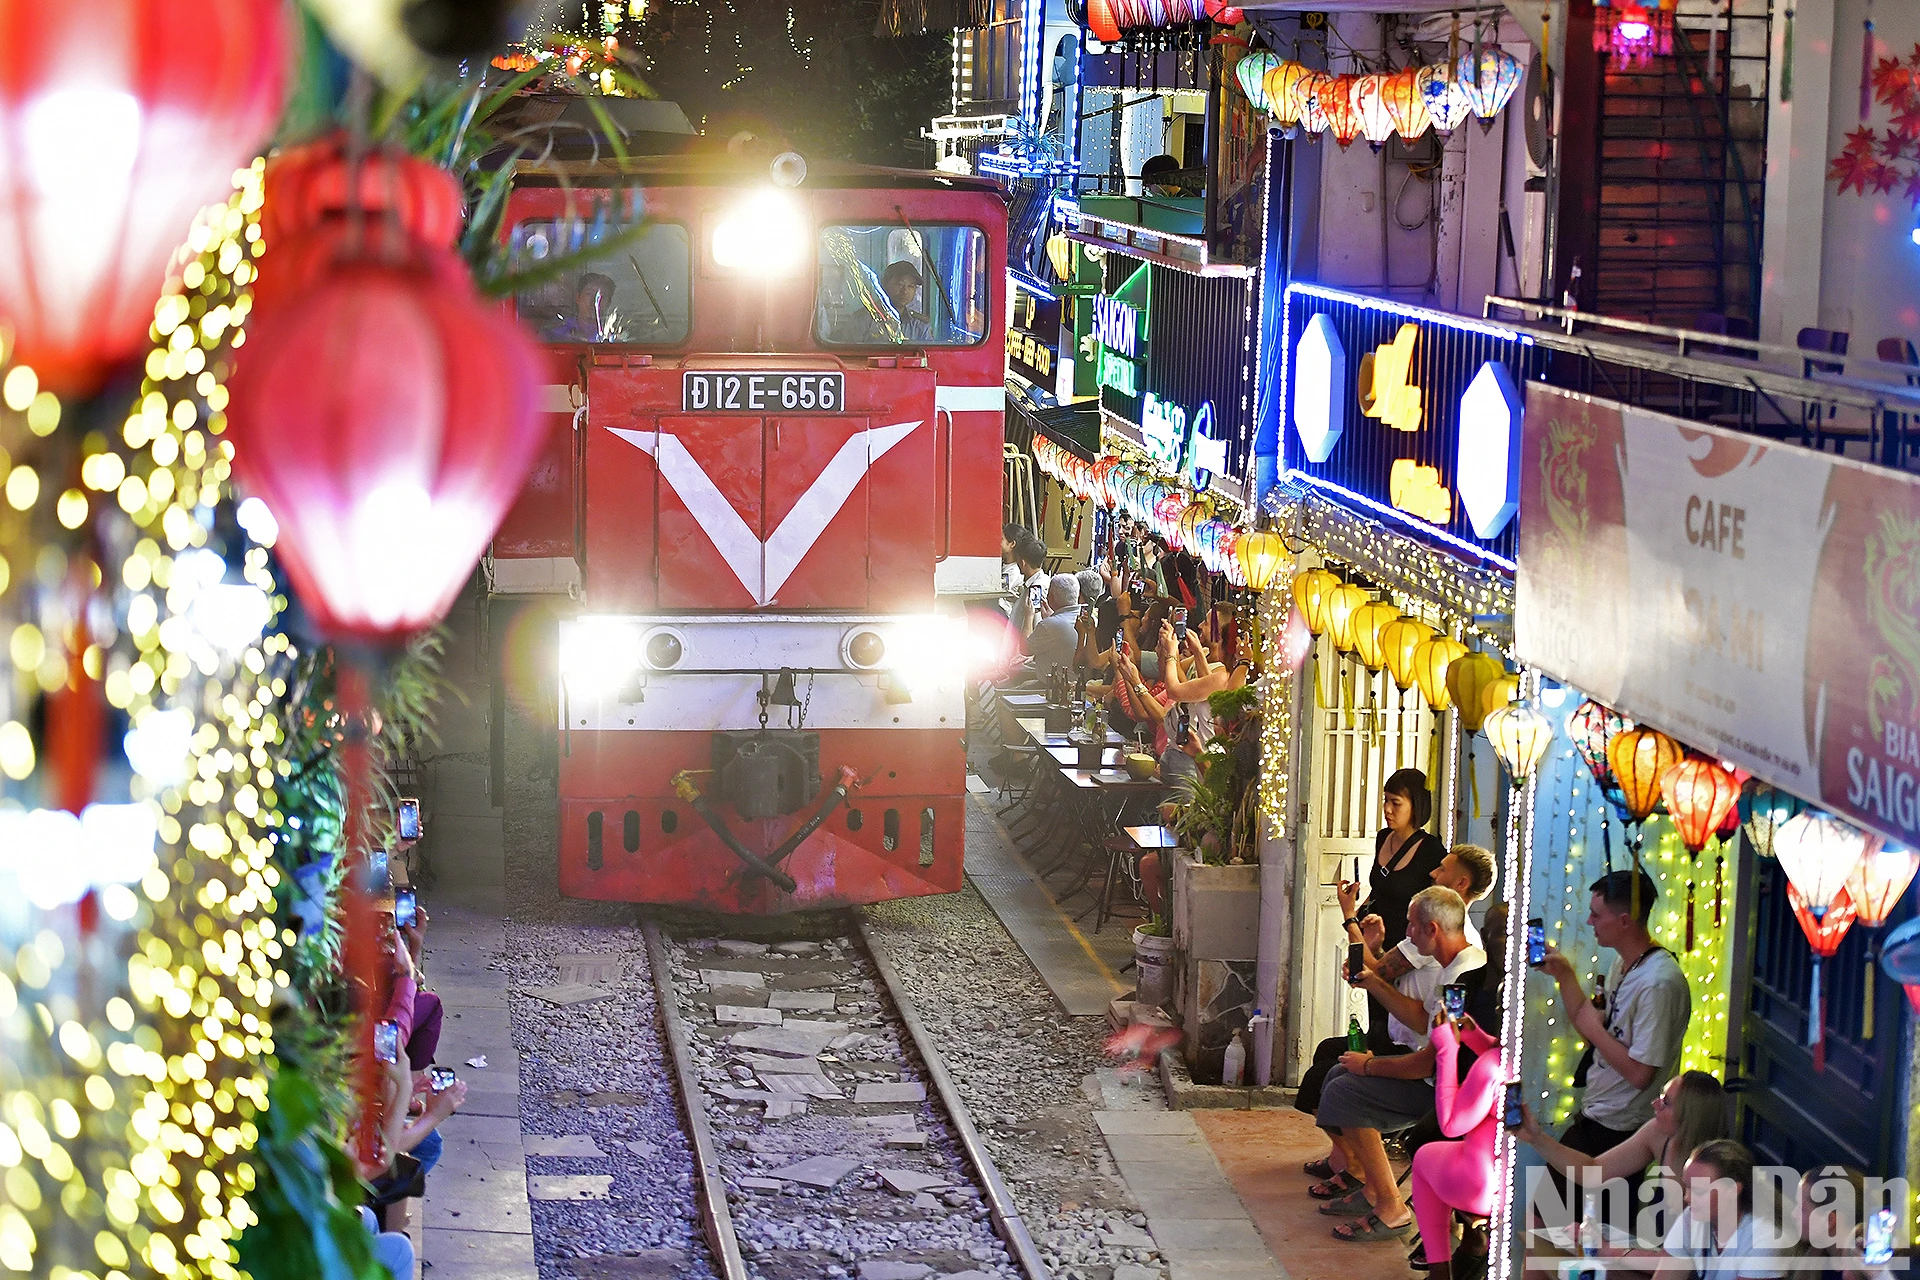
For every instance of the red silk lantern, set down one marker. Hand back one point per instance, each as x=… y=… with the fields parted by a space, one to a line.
x=307 y=184
x=1337 y=105
x=1102 y=20
x=1407 y=104
x=387 y=423
x=1639 y=757
x=1825 y=931
x=1700 y=794
x=119 y=121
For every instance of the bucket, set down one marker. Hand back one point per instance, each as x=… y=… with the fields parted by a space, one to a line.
x=1092 y=751
x=1153 y=960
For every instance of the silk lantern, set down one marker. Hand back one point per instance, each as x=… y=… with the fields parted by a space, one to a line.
x=1638 y=757
x=119 y=121
x=1432 y=659
x=1285 y=100
x=1440 y=92
x=1520 y=736
x=1400 y=640
x=1498 y=694
x=1875 y=888
x=1900 y=959
x=1336 y=103
x=1370 y=107
x=1700 y=793
x=1252 y=72
x=1369 y=625
x=1467 y=681
x=1819 y=853
x=1313 y=596
x=1230 y=566
x=1261 y=556
x=1593 y=727
x=1825 y=926
x=1345 y=600
x=1313 y=116
x=1406 y=104
x=307 y=184
x=1763 y=809
x=1488 y=77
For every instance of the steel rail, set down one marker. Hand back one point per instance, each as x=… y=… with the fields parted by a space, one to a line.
x=1004 y=1213
x=712 y=1187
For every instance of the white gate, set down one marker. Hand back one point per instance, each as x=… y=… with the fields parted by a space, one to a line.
x=1362 y=728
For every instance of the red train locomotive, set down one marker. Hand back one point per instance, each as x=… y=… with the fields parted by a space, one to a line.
x=775 y=470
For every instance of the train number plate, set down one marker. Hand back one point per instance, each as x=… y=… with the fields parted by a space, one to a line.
x=771 y=392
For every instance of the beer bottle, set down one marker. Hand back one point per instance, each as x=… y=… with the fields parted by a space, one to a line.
x=1356 y=1038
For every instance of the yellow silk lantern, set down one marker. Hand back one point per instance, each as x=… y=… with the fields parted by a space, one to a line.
x=1370 y=622
x=1284 y=98
x=1261 y=556
x=1467 y=681
x=1312 y=595
x=1639 y=757
x=1399 y=640
x=1344 y=600
x=1498 y=694
x=1431 y=660
x=1199 y=509
x=1520 y=737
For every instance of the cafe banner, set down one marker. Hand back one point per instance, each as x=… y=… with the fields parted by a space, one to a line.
x=1756 y=600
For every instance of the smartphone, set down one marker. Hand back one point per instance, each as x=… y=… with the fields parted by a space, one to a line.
x=1137 y=588
x=379 y=874
x=1512 y=1118
x=405 y=906
x=386 y=1041
x=1879 y=1248
x=409 y=821
x=1179 y=626
x=1453 y=998
x=1356 y=960
x=1536 y=941
x=441 y=1078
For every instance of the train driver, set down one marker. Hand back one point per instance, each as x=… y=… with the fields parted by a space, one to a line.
x=901 y=283
x=593 y=318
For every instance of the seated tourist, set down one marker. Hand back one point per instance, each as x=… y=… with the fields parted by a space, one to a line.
x=1054 y=638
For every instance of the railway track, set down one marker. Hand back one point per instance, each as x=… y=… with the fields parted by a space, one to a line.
x=827 y=1135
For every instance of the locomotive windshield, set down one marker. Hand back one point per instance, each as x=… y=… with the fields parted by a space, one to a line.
x=636 y=292
x=894 y=286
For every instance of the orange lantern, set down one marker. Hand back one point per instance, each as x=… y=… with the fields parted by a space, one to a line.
x=1369 y=623
x=1639 y=757
x=1467 y=680
x=1313 y=596
x=1407 y=103
x=1700 y=793
x=1825 y=930
x=1875 y=888
x=1401 y=639
x=1336 y=103
x=1370 y=106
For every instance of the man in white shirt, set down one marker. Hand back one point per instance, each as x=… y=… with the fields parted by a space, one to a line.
x=1468 y=870
x=1366 y=1095
x=1029 y=555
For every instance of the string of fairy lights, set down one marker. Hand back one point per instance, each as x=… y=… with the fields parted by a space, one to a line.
x=136 y=1048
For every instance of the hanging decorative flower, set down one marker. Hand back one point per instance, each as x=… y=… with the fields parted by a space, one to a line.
x=1440 y=92
x=1638 y=758
x=1285 y=98
x=1369 y=624
x=1520 y=736
x=1401 y=640
x=1370 y=108
x=1819 y=852
x=1488 y=77
x=124 y=118
x=1406 y=104
x=1344 y=600
x=1431 y=662
x=1467 y=681
x=1700 y=793
x=1313 y=596
x=1336 y=103
x=1251 y=72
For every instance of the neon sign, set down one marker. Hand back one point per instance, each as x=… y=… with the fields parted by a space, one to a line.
x=1386 y=382
x=1116 y=325
x=1181 y=442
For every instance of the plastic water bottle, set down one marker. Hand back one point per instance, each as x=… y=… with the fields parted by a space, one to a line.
x=1234 y=1065
x=1356 y=1037
x=1591 y=1267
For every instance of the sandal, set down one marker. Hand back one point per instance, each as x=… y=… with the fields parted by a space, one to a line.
x=1371 y=1230
x=1336 y=1186
x=1322 y=1168
x=1352 y=1205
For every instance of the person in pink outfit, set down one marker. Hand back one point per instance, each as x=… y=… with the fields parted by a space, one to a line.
x=1463 y=1175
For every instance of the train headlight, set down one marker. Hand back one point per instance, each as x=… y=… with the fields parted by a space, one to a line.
x=864 y=649
x=665 y=647
x=600 y=656
x=766 y=232
x=912 y=655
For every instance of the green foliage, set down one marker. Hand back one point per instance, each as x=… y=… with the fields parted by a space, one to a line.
x=308 y=1228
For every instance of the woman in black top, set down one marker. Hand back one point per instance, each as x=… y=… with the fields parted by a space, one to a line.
x=1404 y=857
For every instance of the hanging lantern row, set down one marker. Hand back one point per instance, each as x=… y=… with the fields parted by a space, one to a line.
x=1379 y=105
x=1109 y=20
x=1246 y=558
x=1632 y=33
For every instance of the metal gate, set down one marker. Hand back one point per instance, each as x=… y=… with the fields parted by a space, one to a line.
x=1362 y=729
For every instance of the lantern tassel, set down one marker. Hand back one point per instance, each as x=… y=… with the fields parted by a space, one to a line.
x=1719 y=883
x=1866 y=994
x=1815 y=1038
x=1689 y=915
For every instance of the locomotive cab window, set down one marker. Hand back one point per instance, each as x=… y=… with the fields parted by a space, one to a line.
x=635 y=292
x=894 y=286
